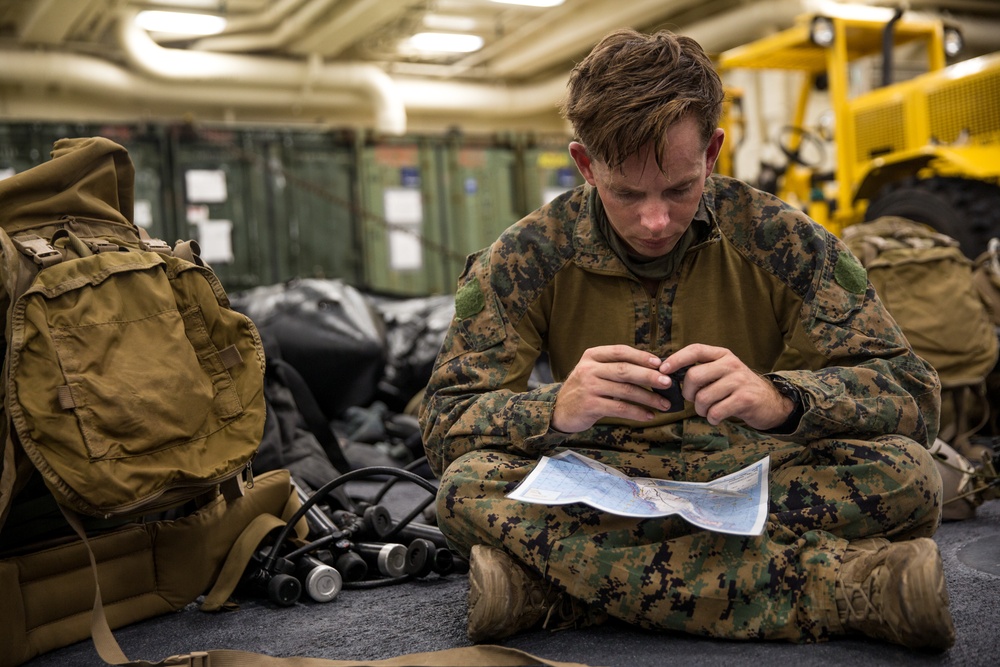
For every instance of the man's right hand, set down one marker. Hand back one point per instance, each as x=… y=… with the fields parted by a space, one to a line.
x=609 y=381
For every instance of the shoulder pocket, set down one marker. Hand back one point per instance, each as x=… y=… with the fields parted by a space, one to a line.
x=842 y=289
x=485 y=328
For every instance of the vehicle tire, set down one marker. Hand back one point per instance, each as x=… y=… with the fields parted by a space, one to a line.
x=966 y=210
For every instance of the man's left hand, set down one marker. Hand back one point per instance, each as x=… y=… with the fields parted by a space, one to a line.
x=721 y=386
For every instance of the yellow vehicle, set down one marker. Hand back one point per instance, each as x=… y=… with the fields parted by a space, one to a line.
x=927 y=148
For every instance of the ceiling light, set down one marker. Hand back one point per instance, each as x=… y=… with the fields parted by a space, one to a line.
x=531 y=3
x=180 y=23
x=446 y=42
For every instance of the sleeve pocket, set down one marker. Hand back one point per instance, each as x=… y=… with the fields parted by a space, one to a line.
x=484 y=329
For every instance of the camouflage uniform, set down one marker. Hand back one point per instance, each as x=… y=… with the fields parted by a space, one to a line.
x=783 y=295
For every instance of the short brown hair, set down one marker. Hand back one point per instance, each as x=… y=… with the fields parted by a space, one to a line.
x=632 y=87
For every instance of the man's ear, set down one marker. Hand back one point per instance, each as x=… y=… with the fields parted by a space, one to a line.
x=713 y=150
x=579 y=154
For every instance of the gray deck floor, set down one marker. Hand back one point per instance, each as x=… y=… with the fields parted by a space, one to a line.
x=429 y=615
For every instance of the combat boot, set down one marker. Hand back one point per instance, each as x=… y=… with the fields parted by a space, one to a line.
x=895 y=591
x=504 y=597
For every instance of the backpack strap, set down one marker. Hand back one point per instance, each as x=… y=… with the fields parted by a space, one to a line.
x=483 y=655
x=239 y=555
x=40 y=251
x=105 y=642
x=313 y=415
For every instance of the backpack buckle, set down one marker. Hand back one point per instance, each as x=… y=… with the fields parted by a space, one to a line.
x=157 y=245
x=39 y=250
x=100 y=245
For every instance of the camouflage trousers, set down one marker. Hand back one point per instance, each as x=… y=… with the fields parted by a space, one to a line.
x=664 y=573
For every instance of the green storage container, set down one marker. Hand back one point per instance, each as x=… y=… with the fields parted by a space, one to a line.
x=548 y=171
x=402 y=218
x=219 y=177
x=314 y=189
x=481 y=197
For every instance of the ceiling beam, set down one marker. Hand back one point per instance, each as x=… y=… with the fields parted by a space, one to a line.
x=52 y=21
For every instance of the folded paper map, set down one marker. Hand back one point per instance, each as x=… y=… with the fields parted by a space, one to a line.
x=736 y=503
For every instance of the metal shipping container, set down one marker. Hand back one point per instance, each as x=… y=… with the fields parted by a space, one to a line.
x=401 y=216
x=481 y=198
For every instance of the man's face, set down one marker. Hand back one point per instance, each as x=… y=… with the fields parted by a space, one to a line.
x=651 y=209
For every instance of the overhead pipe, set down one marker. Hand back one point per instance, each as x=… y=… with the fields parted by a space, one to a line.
x=274 y=14
x=188 y=67
x=230 y=81
x=481 y=99
x=276 y=35
x=97 y=77
x=347 y=27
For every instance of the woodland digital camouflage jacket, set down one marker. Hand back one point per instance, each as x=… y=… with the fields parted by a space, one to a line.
x=782 y=293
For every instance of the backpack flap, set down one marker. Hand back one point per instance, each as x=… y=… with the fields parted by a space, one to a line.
x=90 y=177
x=131 y=387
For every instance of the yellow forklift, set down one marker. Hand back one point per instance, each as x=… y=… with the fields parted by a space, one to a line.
x=926 y=148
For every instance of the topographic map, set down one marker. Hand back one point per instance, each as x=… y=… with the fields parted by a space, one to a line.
x=736 y=503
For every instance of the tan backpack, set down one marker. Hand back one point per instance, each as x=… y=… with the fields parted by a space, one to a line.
x=925 y=282
x=129 y=387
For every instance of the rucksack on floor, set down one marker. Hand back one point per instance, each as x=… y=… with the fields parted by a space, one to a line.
x=129 y=387
x=926 y=283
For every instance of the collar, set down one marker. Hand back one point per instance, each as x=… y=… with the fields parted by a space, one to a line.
x=594 y=252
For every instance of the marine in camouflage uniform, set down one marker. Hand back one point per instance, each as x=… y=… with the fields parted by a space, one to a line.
x=759 y=276
x=654 y=265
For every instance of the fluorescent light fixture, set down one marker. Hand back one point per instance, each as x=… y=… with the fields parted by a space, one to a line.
x=445 y=42
x=531 y=3
x=180 y=23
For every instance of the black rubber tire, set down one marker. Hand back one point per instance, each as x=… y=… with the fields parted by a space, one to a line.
x=966 y=210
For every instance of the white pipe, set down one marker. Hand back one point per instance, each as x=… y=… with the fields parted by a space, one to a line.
x=187 y=67
x=273 y=15
x=482 y=99
x=341 y=31
x=745 y=23
x=229 y=81
x=97 y=77
x=278 y=34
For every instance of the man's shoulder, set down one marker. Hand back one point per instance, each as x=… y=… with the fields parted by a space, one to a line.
x=544 y=237
x=527 y=255
x=743 y=211
x=769 y=232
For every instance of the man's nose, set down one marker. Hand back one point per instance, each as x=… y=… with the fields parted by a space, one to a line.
x=655 y=217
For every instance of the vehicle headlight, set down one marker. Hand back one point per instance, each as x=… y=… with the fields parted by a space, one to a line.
x=821 y=31
x=953 y=42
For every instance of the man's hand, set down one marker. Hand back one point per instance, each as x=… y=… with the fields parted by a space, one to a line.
x=609 y=381
x=721 y=386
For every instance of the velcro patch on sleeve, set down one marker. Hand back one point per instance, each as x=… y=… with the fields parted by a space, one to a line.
x=469 y=300
x=849 y=273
